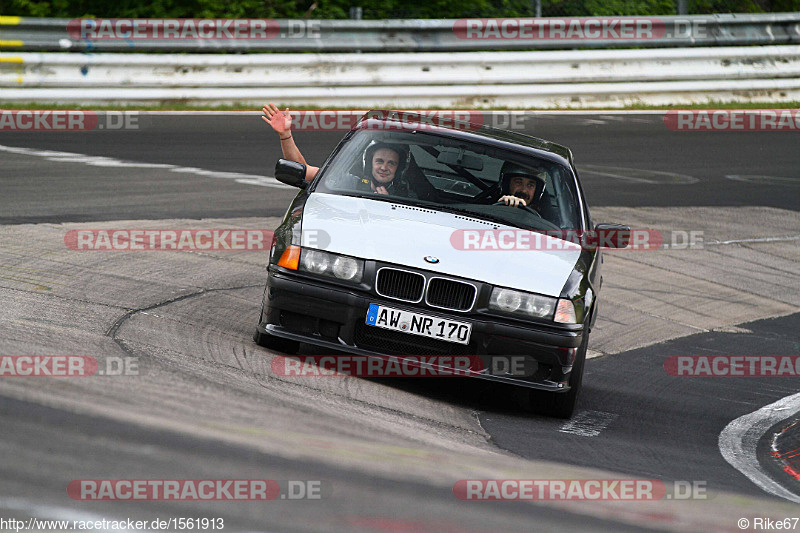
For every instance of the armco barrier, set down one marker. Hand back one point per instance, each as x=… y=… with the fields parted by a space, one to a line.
x=566 y=96
x=35 y=34
x=599 y=78
x=360 y=70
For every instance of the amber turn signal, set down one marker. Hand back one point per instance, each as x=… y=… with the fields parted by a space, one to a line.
x=290 y=258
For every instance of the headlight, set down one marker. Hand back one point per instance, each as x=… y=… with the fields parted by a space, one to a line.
x=521 y=303
x=346 y=268
x=331 y=265
x=314 y=261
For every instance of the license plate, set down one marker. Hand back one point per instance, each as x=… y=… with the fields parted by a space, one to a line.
x=417 y=324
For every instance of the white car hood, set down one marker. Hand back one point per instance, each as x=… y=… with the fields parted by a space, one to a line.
x=405 y=235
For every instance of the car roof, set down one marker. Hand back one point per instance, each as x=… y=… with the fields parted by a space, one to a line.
x=468 y=130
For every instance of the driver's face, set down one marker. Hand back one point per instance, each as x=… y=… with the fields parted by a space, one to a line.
x=384 y=165
x=523 y=188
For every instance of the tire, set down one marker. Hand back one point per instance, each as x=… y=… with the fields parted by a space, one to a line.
x=561 y=404
x=278 y=344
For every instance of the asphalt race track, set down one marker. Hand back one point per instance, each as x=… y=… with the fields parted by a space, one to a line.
x=205 y=402
x=242 y=143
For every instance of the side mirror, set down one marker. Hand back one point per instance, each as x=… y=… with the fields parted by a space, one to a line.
x=291 y=173
x=612 y=235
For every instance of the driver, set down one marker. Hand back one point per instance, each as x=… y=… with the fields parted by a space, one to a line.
x=382 y=165
x=521 y=186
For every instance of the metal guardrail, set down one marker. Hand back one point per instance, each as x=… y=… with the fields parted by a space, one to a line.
x=570 y=96
x=33 y=34
x=599 y=78
x=36 y=70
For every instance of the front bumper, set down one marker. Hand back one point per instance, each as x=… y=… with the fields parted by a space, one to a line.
x=331 y=316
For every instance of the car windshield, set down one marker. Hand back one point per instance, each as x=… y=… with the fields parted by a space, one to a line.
x=454 y=175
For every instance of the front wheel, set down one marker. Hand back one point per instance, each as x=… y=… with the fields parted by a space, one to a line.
x=561 y=404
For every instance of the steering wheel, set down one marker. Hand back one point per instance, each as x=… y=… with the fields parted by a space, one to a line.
x=525 y=207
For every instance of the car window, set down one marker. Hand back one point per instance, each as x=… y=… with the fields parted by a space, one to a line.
x=453 y=174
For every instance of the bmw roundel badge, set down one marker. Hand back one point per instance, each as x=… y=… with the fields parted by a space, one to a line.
x=431 y=259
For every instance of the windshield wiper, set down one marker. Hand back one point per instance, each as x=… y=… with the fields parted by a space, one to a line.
x=494 y=218
x=437 y=207
x=387 y=198
x=473 y=214
x=441 y=207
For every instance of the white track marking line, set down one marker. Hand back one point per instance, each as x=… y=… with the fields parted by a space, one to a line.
x=757 y=239
x=768 y=179
x=739 y=439
x=733 y=241
x=622 y=173
x=100 y=161
x=588 y=423
x=618 y=176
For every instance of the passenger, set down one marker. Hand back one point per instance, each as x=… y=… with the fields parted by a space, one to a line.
x=382 y=166
x=282 y=125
